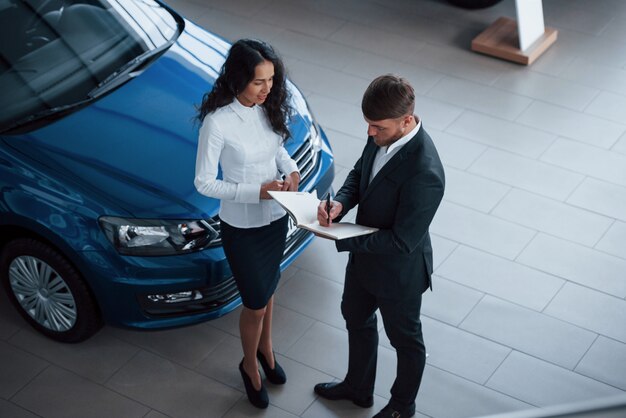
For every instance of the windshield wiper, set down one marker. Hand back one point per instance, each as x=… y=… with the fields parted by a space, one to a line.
x=128 y=71
x=45 y=116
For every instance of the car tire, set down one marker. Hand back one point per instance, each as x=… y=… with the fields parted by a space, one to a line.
x=474 y=4
x=48 y=291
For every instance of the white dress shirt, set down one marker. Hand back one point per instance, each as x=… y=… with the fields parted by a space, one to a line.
x=241 y=140
x=385 y=154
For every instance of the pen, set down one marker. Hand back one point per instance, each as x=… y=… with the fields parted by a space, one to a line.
x=328 y=208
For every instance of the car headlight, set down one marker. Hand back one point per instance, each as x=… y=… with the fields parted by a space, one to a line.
x=316 y=138
x=147 y=237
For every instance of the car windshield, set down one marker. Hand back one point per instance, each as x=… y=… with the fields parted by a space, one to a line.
x=58 y=54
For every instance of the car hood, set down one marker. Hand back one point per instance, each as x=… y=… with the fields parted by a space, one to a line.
x=135 y=149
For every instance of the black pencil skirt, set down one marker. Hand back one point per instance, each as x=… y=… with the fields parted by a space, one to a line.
x=254 y=255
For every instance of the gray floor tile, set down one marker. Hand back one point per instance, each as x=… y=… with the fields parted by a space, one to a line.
x=615 y=29
x=603 y=51
x=455 y=151
x=172 y=389
x=479 y=230
x=613 y=241
x=297 y=394
x=288 y=327
x=323 y=408
x=345 y=147
x=313 y=50
x=244 y=409
x=601 y=197
x=233 y=26
x=527 y=174
x=553 y=217
x=369 y=65
x=59 y=393
x=329 y=82
x=324 y=348
x=592 y=74
x=443 y=394
x=480 y=98
x=291 y=16
x=571 y=124
x=322 y=259
x=610 y=106
x=313 y=296
x=557 y=58
x=434 y=113
x=377 y=40
x=222 y=363
x=500 y=277
x=460 y=352
x=502 y=134
x=547 y=88
x=590 y=309
x=593 y=161
x=442 y=248
x=84 y=359
x=473 y=191
x=620 y=145
x=11 y=410
x=156 y=414
x=246 y=8
x=605 y=361
x=460 y=63
x=449 y=302
x=544 y=384
x=10 y=321
x=588 y=21
x=339 y=115
x=17 y=368
x=576 y=263
x=185 y=346
x=529 y=331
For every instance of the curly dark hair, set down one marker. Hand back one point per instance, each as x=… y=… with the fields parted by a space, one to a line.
x=238 y=71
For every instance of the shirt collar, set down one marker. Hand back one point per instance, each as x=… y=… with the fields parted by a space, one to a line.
x=242 y=111
x=406 y=138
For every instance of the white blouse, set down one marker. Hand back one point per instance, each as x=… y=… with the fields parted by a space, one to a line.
x=241 y=140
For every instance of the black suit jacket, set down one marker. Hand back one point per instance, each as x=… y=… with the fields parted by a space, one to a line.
x=401 y=201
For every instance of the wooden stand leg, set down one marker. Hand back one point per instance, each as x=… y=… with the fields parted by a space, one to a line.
x=501 y=40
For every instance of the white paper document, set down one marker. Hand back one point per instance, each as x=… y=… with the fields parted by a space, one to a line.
x=302 y=207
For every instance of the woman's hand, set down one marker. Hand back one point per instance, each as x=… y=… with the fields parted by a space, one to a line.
x=291 y=182
x=275 y=186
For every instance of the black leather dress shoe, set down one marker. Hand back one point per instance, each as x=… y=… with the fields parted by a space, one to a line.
x=337 y=391
x=257 y=398
x=391 y=412
x=276 y=375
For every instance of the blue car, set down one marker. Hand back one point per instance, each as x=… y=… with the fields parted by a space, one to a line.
x=99 y=218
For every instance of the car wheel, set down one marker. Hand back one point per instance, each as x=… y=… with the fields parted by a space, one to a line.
x=474 y=4
x=48 y=291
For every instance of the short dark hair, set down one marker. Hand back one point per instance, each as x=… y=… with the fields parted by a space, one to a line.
x=238 y=71
x=388 y=97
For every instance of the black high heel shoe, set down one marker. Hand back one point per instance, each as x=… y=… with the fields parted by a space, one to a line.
x=277 y=374
x=257 y=398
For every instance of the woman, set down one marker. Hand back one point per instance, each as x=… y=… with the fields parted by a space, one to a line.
x=244 y=124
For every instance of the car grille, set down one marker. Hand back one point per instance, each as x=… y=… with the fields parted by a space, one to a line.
x=306 y=158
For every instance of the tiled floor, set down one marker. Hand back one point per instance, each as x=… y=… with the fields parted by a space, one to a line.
x=528 y=308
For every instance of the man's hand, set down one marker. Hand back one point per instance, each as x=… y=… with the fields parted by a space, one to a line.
x=323 y=215
x=291 y=182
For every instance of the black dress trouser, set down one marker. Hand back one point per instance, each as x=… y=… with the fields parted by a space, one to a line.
x=401 y=319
